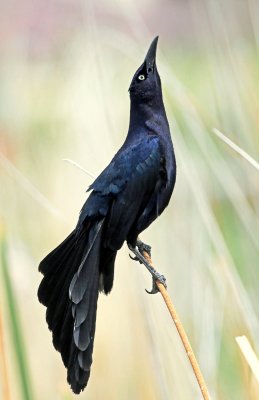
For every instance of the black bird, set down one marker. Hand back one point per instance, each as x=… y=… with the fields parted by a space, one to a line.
x=131 y=192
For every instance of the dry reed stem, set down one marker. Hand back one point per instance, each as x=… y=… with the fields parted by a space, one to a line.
x=5 y=381
x=182 y=334
x=238 y=149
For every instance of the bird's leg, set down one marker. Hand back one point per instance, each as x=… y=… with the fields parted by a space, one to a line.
x=138 y=251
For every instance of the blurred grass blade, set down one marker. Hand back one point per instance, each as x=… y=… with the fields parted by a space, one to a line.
x=238 y=149
x=79 y=167
x=3 y=363
x=249 y=355
x=15 y=327
x=29 y=187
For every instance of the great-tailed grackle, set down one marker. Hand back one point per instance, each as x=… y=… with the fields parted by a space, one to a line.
x=125 y=199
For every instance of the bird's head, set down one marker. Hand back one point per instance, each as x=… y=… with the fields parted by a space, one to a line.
x=146 y=84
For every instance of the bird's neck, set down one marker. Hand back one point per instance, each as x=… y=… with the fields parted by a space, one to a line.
x=149 y=115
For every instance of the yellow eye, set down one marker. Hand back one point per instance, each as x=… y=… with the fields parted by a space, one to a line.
x=141 y=77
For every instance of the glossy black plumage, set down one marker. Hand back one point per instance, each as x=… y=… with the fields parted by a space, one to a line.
x=125 y=199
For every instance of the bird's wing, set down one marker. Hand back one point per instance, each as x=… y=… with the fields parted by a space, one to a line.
x=140 y=158
x=130 y=180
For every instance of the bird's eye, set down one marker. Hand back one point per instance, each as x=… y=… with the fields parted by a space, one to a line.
x=141 y=77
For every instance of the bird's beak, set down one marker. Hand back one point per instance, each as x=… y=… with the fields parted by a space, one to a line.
x=151 y=55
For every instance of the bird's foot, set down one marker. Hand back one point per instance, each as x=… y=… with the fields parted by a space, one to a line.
x=142 y=247
x=156 y=277
x=139 y=257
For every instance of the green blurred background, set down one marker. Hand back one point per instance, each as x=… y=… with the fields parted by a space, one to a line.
x=64 y=74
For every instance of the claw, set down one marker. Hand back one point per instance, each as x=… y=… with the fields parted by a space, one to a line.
x=134 y=258
x=156 y=277
x=133 y=250
x=154 y=289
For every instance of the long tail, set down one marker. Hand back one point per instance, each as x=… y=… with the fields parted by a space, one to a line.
x=69 y=290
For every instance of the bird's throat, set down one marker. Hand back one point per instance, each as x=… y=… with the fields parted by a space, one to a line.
x=149 y=116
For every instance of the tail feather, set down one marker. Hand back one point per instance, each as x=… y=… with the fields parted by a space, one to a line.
x=107 y=270
x=52 y=266
x=69 y=290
